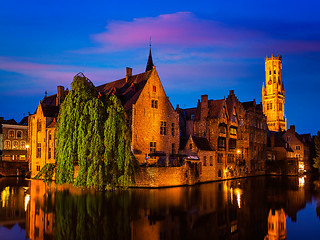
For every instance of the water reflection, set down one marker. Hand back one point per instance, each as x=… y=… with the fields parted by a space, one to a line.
x=253 y=208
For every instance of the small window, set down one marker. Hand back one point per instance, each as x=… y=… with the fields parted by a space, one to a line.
x=38 y=153
x=233 y=131
x=154 y=103
x=173 y=148
x=49 y=153
x=274 y=72
x=19 y=134
x=11 y=133
x=211 y=161
x=280 y=107
x=38 y=168
x=38 y=125
x=221 y=142
x=298 y=147
x=15 y=144
x=222 y=129
x=190 y=146
x=7 y=144
x=172 y=129
x=23 y=145
x=220 y=157
x=154 y=88
x=219 y=173
x=232 y=143
x=205 y=161
x=163 y=128
x=153 y=147
x=49 y=135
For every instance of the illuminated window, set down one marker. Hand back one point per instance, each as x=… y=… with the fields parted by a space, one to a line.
x=19 y=134
x=11 y=133
x=154 y=88
x=233 y=131
x=7 y=144
x=163 y=128
x=15 y=144
x=23 y=145
x=154 y=103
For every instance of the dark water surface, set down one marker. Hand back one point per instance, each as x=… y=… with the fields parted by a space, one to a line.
x=252 y=208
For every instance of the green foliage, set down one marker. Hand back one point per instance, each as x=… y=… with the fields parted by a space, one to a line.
x=317 y=148
x=119 y=160
x=46 y=172
x=92 y=131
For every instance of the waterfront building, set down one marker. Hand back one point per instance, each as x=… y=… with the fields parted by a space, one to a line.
x=276 y=225
x=154 y=122
x=14 y=140
x=273 y=95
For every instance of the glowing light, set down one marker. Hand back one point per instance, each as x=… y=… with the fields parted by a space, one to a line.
x=5 y=194
x=238 y=151
x=26 y=201
x=27 y=146
x=238 y=194
x=301 y=181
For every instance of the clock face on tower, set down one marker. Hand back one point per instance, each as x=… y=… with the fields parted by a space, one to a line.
x=269 y=82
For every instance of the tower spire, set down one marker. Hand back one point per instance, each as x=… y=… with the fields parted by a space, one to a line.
x=150 y=62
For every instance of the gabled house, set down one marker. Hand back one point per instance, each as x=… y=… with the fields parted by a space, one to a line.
x=153 y=121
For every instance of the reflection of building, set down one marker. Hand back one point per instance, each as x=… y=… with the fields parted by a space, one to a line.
x=14 y=140
x=40 y=223
x=273 y=97
x=277 y=229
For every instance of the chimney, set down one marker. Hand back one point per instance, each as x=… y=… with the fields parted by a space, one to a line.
x=231 y=92
x=60 y=95
x=128 y=73
x=204 y=106
x=293 y=128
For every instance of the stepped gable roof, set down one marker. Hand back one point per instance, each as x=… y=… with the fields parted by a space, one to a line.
x=24 y=121
x=10 y=121
x=202 y=143
x=215 y=107
x=127 y=91
x=49 y=110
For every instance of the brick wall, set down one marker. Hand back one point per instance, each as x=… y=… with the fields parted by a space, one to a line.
x=13 y=168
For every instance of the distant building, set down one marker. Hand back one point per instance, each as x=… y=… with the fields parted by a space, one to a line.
x=273 y=95
x=154 y=122
x=14 y=140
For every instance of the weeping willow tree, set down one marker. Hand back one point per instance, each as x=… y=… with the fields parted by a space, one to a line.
x=119 y=160
x=92 y=132
x=69 y=133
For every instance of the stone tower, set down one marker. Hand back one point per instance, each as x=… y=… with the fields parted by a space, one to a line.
x=273 y=97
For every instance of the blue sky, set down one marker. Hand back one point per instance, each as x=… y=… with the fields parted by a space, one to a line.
x=207 y=47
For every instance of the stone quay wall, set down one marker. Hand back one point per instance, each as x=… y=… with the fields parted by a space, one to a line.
x=9 y=168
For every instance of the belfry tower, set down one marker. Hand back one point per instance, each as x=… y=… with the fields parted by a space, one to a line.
x=273 y=97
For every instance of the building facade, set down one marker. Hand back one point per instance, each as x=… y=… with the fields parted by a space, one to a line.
x=273 y=95
x=14 y=140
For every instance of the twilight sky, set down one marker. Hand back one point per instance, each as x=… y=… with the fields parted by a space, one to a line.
x=199 y=47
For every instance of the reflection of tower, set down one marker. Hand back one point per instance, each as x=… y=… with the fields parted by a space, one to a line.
x=277 y=229
x=273 y=95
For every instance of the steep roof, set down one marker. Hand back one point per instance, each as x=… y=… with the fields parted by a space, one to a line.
x=215 y=108
x=49 y=110
x=128 y=91
x=10 y=121
x=187 y=113
x=24 y=121
x=150 y=62
x=202 y=143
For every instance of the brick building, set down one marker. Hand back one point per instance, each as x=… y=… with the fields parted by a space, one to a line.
x=154 y=122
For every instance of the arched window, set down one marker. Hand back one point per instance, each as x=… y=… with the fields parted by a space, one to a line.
x=19 y=134
x=23 y=145
x=7 y=144
x=15 y=144
x=11 y=134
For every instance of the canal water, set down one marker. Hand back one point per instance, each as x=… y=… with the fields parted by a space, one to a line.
x=251 y=208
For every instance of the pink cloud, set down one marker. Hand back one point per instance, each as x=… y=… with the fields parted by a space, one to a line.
x=182 y=29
